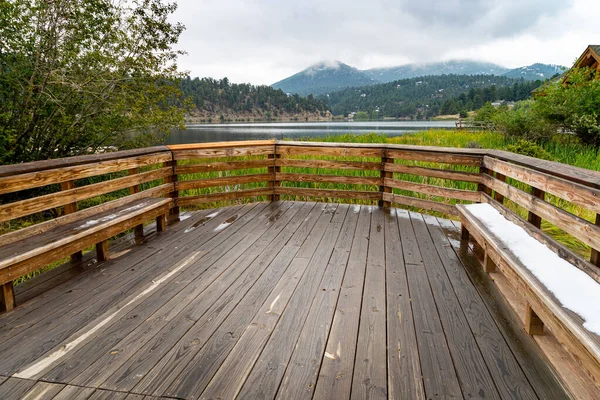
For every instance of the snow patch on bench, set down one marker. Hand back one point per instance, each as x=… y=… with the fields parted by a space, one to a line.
x=573 y=288
x=110 y=217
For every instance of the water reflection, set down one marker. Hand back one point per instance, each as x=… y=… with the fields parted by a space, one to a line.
x=296 y=130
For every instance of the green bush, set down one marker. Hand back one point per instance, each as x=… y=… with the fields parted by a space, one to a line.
x=531 y=149
x=524 y=122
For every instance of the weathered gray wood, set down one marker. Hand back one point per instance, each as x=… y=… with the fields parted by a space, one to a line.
x=301 y=374
x=370 y=373
x=86 y=313
x=151 y=361
x=181 y=308
x=472 y=372
x=15 y=388
x=343 y=333
x=97 y=281
x=74 y=392
x=43 y=391
x=100 y=394
x=405 y=379
x=193 y=381
x=506 y=372
x=439 y=375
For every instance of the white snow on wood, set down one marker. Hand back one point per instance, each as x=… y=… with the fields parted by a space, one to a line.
x=222 y=226
x=110 y=217
x=573 y=288
x=212 y=215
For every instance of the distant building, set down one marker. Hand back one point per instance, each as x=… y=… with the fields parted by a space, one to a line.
x=590 y=58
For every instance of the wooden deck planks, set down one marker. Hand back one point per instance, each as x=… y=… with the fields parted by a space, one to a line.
x=439 y=375
x=337 y=368
x=405 y=379
x=94 y=285
x=15 y=388
x=193 y=382
x=141 y=348
x=538 y=373
x=171 y=361
x=507 y=374
x=370 y=372
x=474 y=378
x=289 y=300
x=302 y=370
x=114 y=299
x=74 y=392
x=171 y=300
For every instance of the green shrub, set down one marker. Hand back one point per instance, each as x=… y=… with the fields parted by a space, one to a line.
x=524 y=122
x=531 y=149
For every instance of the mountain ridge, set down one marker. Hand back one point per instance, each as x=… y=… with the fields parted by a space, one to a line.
x=330 y=76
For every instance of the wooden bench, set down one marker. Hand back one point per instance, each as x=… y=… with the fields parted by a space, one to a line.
x=26 y=250
x=497 y=238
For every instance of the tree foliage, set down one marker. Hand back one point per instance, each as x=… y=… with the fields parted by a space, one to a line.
x=79 y=75
x=216 y=96
x=571 y=107
x=429 y=96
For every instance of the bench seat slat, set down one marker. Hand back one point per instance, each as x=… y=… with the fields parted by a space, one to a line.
x=74 y=230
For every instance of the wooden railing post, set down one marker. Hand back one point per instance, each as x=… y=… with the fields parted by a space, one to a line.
x=481 y=187
x=532 y=218
x=385 y=174
x=174 y=211
x=138 y=230
x=497 y=196
x=274 y=170
x=70 y=209
x=595 y=257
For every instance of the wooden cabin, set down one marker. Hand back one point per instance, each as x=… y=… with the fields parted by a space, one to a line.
x=590 y=58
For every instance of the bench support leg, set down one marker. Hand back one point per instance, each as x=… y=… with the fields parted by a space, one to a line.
x=138 y=233
x=464 y=238
x=161 y=223
x=533 y=323
x=102 y=251
x=7 y=297
x=75 y=257
x=489 y=265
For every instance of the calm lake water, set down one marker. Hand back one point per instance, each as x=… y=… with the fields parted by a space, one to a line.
x=201 y=133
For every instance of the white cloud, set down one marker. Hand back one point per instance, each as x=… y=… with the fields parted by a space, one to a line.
x=263 y=41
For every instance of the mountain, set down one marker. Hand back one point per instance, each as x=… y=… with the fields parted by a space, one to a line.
x=322 y=78
x=457 y=67
x=535 y=71
x=327 y=77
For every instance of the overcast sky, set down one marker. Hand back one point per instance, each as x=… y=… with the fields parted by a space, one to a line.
x=263 y=41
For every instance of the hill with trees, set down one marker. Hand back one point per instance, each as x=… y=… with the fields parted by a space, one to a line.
x=429 y=96
x=220 y=100
x=323 y=78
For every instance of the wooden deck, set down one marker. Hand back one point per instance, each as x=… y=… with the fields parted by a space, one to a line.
x=275 y=300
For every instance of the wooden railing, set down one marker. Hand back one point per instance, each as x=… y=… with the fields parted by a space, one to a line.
x=430 y=179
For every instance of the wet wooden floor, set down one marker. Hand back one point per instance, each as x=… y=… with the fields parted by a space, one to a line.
x=273 y=300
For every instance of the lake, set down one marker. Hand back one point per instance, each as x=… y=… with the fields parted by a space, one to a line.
x=200 y=133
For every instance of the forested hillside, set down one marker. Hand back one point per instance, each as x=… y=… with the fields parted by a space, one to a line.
x=221 y=100
x=429 y=96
